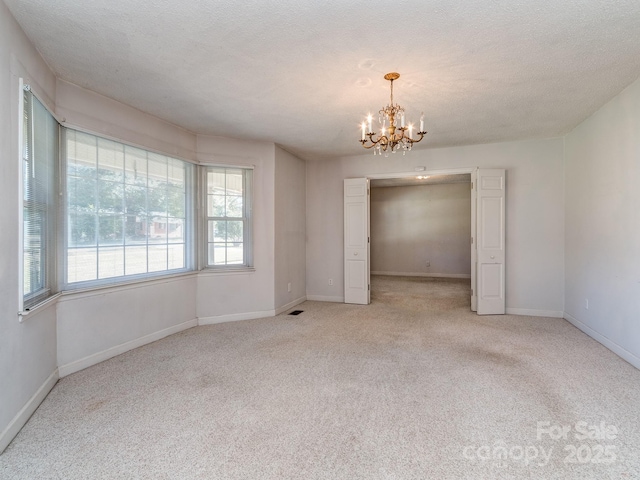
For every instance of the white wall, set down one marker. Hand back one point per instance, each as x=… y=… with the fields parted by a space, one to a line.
x=224 y=297
x=411 y=225
x=87 y=110
x=603 y=224
x=28 y=349
x=534 y=223
x=290 y=230
x=97 y=325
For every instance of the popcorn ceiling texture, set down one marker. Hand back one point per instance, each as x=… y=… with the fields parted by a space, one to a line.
x=304 y=73
x=409 y=387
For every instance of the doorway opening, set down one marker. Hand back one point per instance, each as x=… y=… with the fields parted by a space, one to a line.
x=420 y=231
x=486 y=244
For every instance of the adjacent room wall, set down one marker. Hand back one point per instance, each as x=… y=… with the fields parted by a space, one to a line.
x=28 y=349
x=413 y=225
x=534 y=215
x=602 y=213
x=290 y=229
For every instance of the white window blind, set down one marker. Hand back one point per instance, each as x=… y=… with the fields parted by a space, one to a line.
x=228 y=200
x=39 y=175
x=128 y=211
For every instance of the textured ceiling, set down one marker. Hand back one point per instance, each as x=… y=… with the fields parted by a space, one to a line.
x=304 y=73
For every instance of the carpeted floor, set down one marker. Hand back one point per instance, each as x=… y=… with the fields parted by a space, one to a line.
x=413 y=386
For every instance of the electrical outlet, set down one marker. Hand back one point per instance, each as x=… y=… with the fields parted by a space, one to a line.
x=331 y=281
x=289 y=287
x=428 y=263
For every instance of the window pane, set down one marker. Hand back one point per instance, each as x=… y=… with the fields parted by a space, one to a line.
x=111 y=262
x=234 y=182
x=235 y=253
x=157 y=170
x=216 y=181
x=134 y=230
x=82 y=154
x=216 y=205
x=176 y=256
x=157 y=258
x=135 y=260
x=177 y=174
x=130 y=203
x=217 y=231
x=234 y=207
x=175 y=202
x=82 y=264
x=110 y=230
x=175 y=231
x=234 y=232
x=157 y=200
x=135 y=200
x=217 y=254
x=110 y=160
x=135 y=161
x=82 y=229
x=110 y=196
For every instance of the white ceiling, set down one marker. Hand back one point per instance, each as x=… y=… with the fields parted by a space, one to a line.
x=304 y=73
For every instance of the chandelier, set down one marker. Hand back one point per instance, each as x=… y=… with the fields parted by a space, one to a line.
x=391 y=135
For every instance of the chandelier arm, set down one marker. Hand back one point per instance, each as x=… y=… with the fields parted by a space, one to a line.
x=413 y=140
x=368 y=147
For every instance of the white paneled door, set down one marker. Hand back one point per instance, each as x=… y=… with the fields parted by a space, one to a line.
x=490 y=237
x=474 y=252
x=356 y=241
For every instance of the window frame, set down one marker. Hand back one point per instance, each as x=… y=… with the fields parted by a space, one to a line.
x=191 y=190
x=48 y=236
x=247 y=219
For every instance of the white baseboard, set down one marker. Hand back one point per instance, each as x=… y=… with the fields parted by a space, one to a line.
x=235 y=317
x=614 y=347
x=324 y=298
x=96 y=358
x=535 y=313
x=421 y=274
x=25 y=413
x=290 y=305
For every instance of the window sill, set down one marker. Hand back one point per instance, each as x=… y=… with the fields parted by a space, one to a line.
x=226 y=271
x=38 y=307
x=124 y=285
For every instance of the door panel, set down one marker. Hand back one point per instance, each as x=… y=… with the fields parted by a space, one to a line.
x=356 y=241
x=474 y=241
x=491 y=241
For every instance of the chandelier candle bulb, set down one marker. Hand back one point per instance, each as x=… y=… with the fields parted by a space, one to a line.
x=402 y=121
x=369 y=120
x=410 y=130
x=422 y=122
x=363 y=132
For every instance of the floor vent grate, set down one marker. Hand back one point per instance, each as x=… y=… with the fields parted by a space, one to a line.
x=296 y=312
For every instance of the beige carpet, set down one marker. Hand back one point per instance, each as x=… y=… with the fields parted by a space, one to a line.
x=412 y=386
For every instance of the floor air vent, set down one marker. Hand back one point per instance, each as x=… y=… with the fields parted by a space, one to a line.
x=296 y=312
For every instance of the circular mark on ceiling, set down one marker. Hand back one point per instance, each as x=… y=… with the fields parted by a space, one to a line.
x=363 y=82
x=366 y=64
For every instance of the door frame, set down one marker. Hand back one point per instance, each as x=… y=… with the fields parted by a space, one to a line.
x=472 y=241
